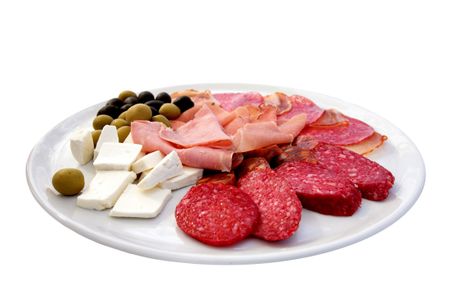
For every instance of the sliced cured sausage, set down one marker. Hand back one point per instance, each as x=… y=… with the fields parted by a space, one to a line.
x=224 y=178
x=321 y=190
x=279 y=208
x=217 y=214
x=301 y=105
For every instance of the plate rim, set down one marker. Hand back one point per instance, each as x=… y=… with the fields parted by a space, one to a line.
x=204 y=258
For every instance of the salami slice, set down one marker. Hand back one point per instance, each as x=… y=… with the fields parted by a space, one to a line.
x=224 y=178
x=353 y=132
x=217 y=214
x=301 y=105
x=279 y=208
x=372 y=180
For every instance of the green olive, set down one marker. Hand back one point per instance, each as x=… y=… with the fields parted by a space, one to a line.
x=161 y=119
x=170 y=111
x=125 y=94
x=68 y=181
x=122 y=115
x=123 y=132
x=95 y=136
x=119 y=123
x=101 y=121
x=139 y=111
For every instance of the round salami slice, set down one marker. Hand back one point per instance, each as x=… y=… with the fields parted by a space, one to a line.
x=279 y=208
x=321 y=190
x=354 y=132
x=301 y=105
x=217 y=214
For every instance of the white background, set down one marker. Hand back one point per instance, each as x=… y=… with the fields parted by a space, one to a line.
x=391 y=57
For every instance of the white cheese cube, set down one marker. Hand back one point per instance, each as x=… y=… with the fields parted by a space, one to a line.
x=189 y=176
x=170 y=166
x=116 y=156
x=137 y=203
x=129 y=139
x=82 y=145
x=108 y=135
x=147 y=162
x=104 y=189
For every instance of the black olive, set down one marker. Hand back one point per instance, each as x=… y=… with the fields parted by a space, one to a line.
x=125 y=107
x=115 y=102
x=154 y=111
x=109 y=110
x=155 y=103
x=164 y=97
x=184 y=103
x=145 y=96
x=131 y=100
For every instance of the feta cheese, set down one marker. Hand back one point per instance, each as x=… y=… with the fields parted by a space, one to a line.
x=108 y=135
x=189 y=176
x=104 y=189
x=170 y=166
x=147 y=162
x=129 y=139
x=137 y=203
x=82 y=145
x=116 y=156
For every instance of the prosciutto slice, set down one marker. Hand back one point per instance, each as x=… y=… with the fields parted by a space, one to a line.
x=330 y=118
x=279 y=100
x=146 y=133
x=230 y=101
x=203 y=130
x=367 y=145
x=301 y=105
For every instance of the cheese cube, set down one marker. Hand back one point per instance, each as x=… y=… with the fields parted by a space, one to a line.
x=137 y=203
x=108 y=135
x=189 y=176
x=129 y=139
x=104 y=189
x=170 y=166
x=82 y=145
x=147 y=162
x=117 y=156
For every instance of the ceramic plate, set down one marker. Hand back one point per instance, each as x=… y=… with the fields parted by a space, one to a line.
x=161 y=239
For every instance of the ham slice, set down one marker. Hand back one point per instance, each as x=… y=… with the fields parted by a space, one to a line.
x=206 y=158
x=355 y=132
x=301 y=105
x=330 y=118
x=203 y=130
x=279 y=100
x=196 y=96
x=222 y=115
x=367 y=145
x=146 y=133
x=253 y=136
x=230 y=101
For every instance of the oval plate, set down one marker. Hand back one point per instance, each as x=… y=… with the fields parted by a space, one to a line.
x=161 y=239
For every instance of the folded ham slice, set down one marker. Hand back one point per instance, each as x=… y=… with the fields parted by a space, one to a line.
x=230 y=101
x=279 y=100
x=330 y=118
x=203 y=130
x=258 y=135
x=147 y=134
x=301 y=105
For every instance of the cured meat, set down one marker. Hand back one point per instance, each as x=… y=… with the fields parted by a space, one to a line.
x=258 y=135
x=321 y=190
x=230 y=101
x=279 y=100
x=294 y=125
x=224 y=178
x=371 y=179
x=217 y=214
x=222 y=115
x=279 y=208
x=330 y=118
x=207 y=158
x=353 y=133
x=147 y=134
x=268 y=153
x=301 y=105
x=203 y=130
x=366 y=146
x=196 y=96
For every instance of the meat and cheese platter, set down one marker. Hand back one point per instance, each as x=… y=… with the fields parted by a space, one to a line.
x=225 y=173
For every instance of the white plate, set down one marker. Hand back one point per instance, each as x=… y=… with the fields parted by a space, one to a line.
x=160 y=238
